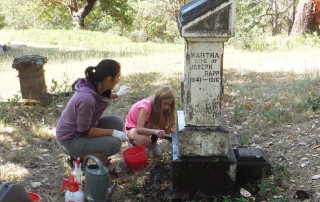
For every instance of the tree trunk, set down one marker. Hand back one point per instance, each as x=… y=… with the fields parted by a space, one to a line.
x=78 y=15
x=317 y=16
x=275 y=18
x=292 y=12
x=303 y=18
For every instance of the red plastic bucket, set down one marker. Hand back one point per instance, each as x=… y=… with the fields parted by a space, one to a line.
x=34 y=197
x=135 y=157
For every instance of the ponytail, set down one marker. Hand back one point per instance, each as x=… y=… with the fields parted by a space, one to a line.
x=104 y=69
x=89 y=73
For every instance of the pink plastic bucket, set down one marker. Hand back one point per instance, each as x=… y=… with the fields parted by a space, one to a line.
x=135 y=157
x=34 y=197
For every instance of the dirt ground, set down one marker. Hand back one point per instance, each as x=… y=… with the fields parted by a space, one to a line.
x=155 y=182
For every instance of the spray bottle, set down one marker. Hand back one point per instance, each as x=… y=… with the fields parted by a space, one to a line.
x=77 y=173
x=74 y=193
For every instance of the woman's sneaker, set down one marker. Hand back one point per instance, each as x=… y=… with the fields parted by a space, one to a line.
x=155 y=150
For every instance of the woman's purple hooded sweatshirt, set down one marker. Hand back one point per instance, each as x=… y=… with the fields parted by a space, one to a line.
x=82 y=112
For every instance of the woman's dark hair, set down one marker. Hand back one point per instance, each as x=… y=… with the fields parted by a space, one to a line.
x=104 y=69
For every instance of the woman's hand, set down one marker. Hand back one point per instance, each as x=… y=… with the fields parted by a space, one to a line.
x=120 y=135
x=123 y=90
x=159 y=133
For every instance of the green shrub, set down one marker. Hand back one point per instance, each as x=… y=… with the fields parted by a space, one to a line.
x=155 y=20
x=244 y=140
x=313 y=101
x=2 y=22
x=255 y=42
x=275 y=116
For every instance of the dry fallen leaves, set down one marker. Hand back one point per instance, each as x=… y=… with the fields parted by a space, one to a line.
x=35 y=184
x=245 y=193
x=315 y=177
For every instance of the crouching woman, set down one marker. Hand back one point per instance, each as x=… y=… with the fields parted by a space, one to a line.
x=81 y=129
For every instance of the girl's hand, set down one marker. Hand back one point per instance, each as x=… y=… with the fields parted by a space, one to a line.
x=170 y=130
x=159 y=133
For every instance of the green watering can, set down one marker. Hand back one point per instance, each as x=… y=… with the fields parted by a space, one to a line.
x=97 y=181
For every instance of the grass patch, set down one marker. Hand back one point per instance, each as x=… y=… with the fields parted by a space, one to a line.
x=252 y=42
x=273 y=187
x=95 y=44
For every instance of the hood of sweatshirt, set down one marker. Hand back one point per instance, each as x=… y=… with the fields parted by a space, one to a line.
x=83 y=86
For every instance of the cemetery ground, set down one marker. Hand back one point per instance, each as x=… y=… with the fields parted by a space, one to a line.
x=268 y=103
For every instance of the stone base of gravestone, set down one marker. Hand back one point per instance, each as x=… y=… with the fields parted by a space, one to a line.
x=201 y=141
x=205 y=174
x=204 y=161
x=221 y=175
x=251 y=165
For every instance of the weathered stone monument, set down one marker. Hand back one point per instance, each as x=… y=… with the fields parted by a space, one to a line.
x=202 y=157
x=32 y=78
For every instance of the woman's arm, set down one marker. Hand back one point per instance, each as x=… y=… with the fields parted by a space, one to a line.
x=98 y=132
x=114 y=96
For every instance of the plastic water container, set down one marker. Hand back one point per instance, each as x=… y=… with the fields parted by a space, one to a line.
x=135 y=157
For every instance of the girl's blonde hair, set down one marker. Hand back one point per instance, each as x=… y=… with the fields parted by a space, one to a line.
x=166 y=119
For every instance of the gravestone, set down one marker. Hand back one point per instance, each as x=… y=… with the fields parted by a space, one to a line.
x=31 y=75
x=202 y=157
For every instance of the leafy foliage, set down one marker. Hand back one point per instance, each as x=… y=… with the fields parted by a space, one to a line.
x=2 y=23
x=275 y=184
x=275 y=116
x=244 y=140
x=151 y=20
x=264 y=15
x=154 y=21
x=120 y=10
x=313 y=101
x=15 y=14
x=258 y=42
x=2 y=18
x=56 y=17
x=56 y=14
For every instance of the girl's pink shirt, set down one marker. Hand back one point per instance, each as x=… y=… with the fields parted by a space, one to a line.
x=133 y=114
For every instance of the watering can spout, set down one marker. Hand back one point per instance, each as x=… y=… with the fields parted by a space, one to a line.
x=110 y=192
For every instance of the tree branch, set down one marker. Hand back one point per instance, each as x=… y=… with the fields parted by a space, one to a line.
x=84 y=11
